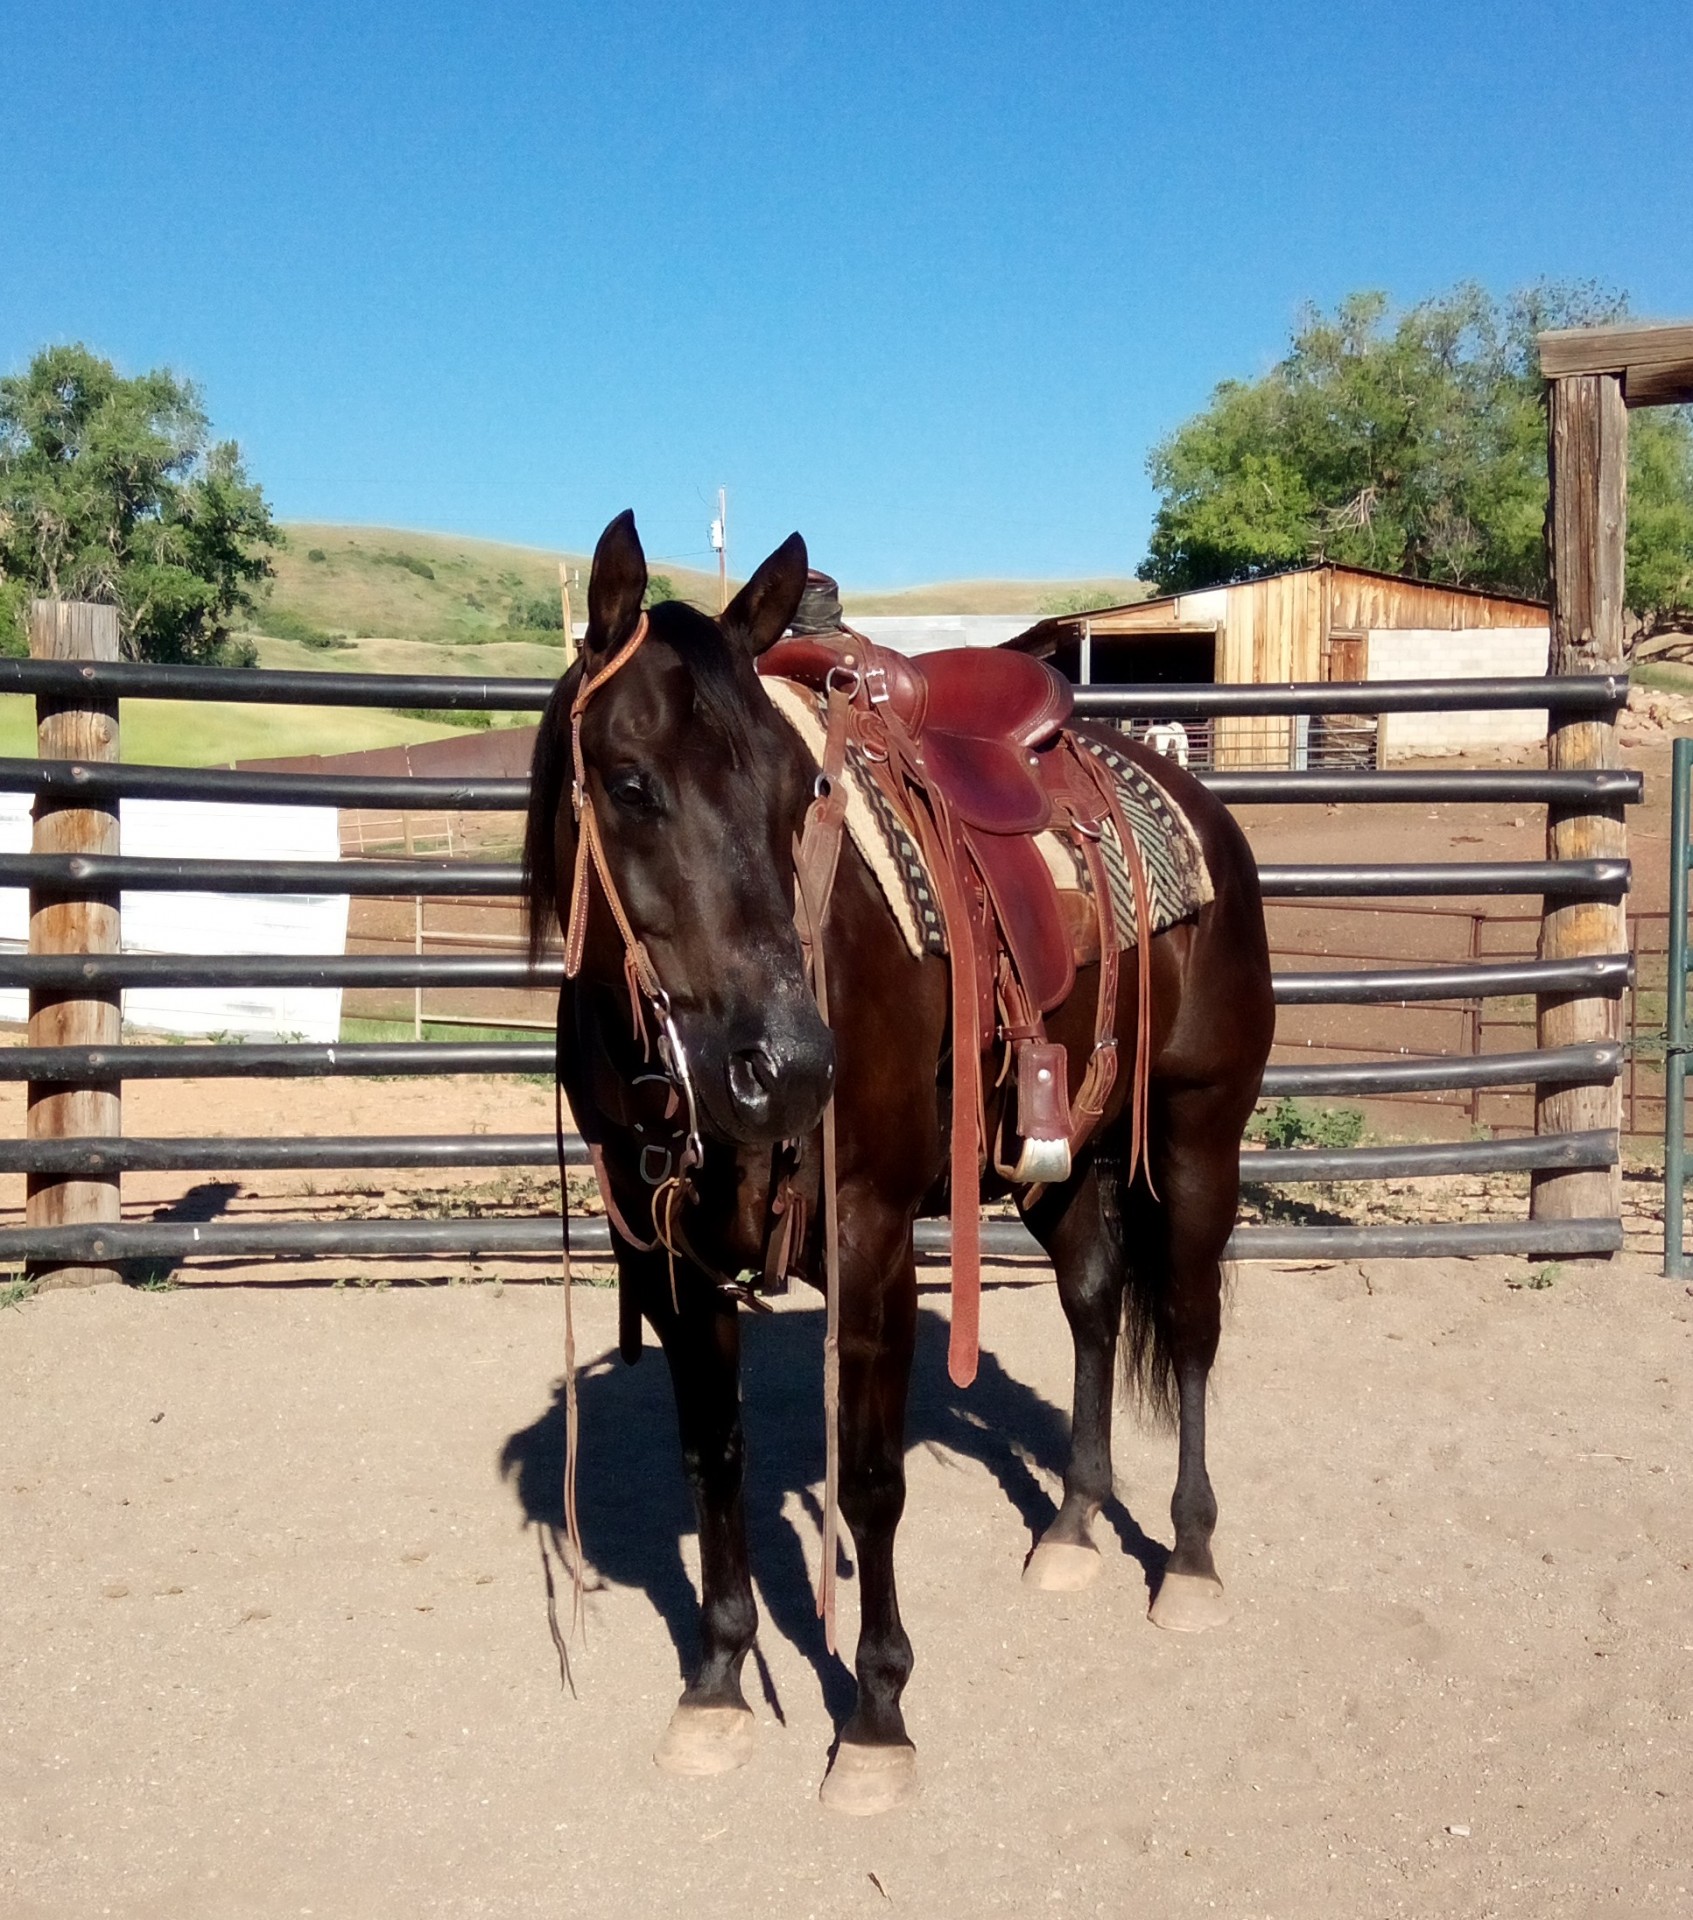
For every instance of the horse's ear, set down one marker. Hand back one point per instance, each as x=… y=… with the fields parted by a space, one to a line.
x=616 y=587
x=759 y=614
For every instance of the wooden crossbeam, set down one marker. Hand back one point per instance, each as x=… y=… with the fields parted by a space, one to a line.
x=1655 y=364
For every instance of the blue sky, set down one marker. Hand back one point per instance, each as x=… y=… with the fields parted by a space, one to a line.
x=925 y=282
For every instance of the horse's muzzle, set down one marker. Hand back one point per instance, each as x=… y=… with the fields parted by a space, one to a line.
x=774 y=1083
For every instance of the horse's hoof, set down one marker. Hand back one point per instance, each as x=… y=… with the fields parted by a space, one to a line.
x=1190 y=1603
x=705 y=1740
x=1062 y=1566
x=866 y=1780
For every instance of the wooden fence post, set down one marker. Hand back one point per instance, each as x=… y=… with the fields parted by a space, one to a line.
x=75 y=727
x=1587 y=452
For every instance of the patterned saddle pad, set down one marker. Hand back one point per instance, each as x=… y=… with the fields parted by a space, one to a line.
x=1178 y=881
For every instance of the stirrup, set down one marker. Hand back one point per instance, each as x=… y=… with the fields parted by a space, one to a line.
x=1042 y=1163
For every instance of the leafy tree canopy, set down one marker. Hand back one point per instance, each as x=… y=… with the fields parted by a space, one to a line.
x=1413 y=442
x=112 y=490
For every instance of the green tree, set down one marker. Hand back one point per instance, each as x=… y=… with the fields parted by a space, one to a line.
x=111 y=489
x=1415 y=443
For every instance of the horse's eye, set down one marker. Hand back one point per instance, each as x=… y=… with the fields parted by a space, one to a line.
x=631 y=790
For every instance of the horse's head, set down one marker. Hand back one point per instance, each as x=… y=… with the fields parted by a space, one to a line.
x=697 y=789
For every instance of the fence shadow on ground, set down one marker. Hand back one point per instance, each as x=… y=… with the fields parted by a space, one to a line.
x=635 y=1508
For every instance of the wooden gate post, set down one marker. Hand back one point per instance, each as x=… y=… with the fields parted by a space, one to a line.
x=74 y=727
x=1587 y=453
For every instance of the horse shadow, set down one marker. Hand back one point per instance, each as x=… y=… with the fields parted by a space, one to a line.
x=635 y=1509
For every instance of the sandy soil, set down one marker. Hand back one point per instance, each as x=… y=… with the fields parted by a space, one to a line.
x=274 y=1627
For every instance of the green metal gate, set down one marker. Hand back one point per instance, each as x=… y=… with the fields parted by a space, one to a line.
x=1675 y=1018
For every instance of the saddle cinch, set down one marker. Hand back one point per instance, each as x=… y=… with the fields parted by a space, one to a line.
x=970 y=750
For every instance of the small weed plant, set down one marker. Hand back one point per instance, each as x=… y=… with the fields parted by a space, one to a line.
x=1288 y=1124
x=1538 y=1279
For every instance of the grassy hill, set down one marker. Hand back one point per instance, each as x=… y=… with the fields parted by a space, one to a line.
x=360 y=585
x=382 y=583
x=1033 y=597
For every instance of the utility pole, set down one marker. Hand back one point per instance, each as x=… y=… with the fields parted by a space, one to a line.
x=720 y=545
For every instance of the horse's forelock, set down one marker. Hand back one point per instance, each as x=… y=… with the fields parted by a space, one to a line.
x=718 y=670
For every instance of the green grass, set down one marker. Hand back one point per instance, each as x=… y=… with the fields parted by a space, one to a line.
x=209 y=733
x=16 y=1288
x=1665 y=675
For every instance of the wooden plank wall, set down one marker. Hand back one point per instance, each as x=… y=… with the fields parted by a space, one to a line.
x=1358 y=602
x=1272 y=631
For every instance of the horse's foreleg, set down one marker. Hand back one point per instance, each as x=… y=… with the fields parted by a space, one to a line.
x=711 y=1730
x=874 y=1766
x=1084 y=1238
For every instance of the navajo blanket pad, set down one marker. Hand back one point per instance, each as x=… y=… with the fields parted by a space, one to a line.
x=1178 y=882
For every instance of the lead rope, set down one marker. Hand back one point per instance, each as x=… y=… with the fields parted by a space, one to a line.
x=832 y=1300
x=572 y=1413
x=588 y=849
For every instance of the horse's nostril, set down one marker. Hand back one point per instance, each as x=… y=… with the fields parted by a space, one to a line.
x=752 y=1076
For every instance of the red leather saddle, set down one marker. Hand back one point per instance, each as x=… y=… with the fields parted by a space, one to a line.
x=986 y=723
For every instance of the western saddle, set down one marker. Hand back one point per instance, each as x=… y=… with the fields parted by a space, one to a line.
x=970 y=749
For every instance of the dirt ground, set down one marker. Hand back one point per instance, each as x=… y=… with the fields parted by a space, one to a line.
x=275 y=1549
x=274 y=1616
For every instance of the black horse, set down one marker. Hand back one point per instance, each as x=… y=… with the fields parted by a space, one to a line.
x=695 y=789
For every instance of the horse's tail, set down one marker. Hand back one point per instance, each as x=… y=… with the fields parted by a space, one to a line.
x=1145 y=1352
x=548 y=771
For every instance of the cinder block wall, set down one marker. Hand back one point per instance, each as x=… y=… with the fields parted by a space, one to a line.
x=1475 y=653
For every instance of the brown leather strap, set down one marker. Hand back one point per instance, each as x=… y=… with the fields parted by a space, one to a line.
x=1141 y=1094
x=1095 y=1090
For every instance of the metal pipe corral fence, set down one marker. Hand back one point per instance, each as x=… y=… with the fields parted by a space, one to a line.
x=55 y=874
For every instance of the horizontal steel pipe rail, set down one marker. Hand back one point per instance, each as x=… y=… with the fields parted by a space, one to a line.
x=60 y=971
x=63 y=971
x=1582 y=879
x=266 y=686
x=1335 y=786
x=270 y=1060
x=1291 y=1166
x=361 y=1239
x=1599 y=972
x=1571 y=693
x=1555 y=1066
x=264 y=1153
x=1001 y=1239
x=449 y=1152
x=71 y=779
x=1447 y=1240
x=1586 y=879
x=48 y=872
x=140 y=680
x=276 y=1060
x=392 y=793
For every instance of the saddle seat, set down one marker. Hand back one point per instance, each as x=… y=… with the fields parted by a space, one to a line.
x=978 y=716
